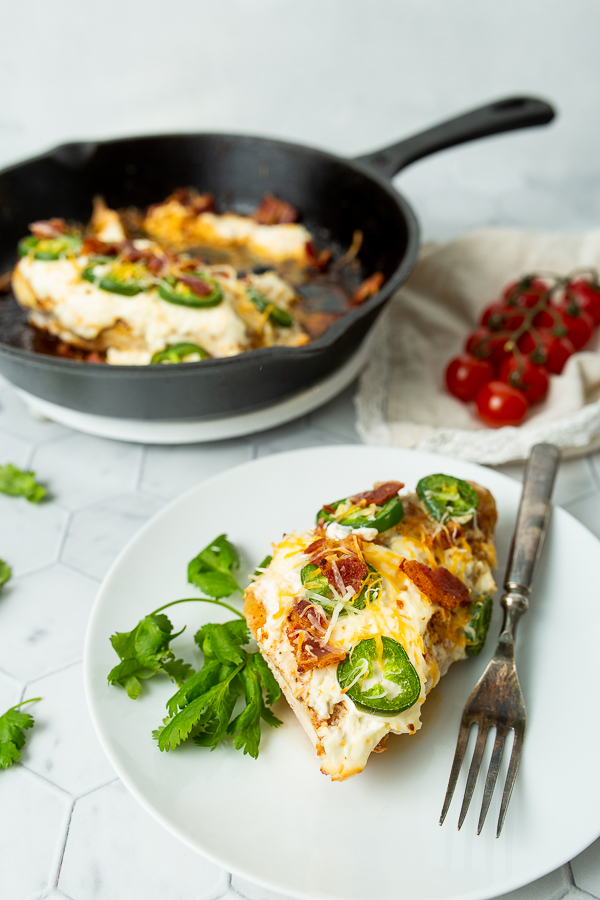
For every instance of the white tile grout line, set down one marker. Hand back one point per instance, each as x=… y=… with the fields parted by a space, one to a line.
x=63 y=538
x=64 y=845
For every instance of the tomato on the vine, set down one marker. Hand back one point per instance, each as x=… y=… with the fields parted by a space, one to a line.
x=585 y=295
x=552 y=352
x=466 y=374
x=523 y=374
x=580 y=327
x=492 y=313
x=526 y=292
x=501 y=404
x=485 y=344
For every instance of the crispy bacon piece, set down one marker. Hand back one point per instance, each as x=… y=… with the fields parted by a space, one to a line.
x=440 y=585
x=340 y=564
x=315 y=323
x=157 y=264
x=319 y=260
x=199 y=286
x=367 y=288
x=350 y=569
x=189 y=197
x=93 y=246
x=273 y=211
x=307 y=627
x=48 y=228
x=5 y=282
x=380 y=494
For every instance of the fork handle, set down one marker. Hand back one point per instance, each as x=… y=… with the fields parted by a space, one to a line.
x=532 y=518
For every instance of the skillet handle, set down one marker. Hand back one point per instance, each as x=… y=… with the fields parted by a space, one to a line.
x=503 y=115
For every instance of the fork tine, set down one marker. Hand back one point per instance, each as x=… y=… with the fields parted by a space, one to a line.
x=492 y=775
x=459 y=754
x=473 y=773
x=513 y=768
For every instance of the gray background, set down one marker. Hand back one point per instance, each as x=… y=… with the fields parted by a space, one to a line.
x=347 y=75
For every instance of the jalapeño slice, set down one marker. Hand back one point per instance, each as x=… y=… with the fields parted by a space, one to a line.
x=50 y=248
x=445 y=497
x=176 y=353
x=277 y=315
x=477 y=629
x=315 y=582
x=381 y=681
x=174 y=291
x=116 y=277
x=388 y=514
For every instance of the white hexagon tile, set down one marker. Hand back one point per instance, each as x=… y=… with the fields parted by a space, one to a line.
x=68 y=828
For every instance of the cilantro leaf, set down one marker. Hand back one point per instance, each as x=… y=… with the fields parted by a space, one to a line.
x=178 y=670
x=198 y=684
x=201 y=710
x=223 y=642
x=267 y=679
x=207 y=700
x=5 y=572
x=144 y=652
x=12 y=738
x=211 y=569
x=245 y=728
x=17 y=483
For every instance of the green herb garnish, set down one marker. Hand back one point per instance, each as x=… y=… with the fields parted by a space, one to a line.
x=17 y=483
x=207 y=700
x=211 y=569
x=5 y=572
x=12 y=738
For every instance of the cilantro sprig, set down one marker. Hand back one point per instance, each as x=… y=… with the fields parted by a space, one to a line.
x=232 y=678
x=12 y=732
x=211 y=569
x=207 y=701
x=17 y=483
x=5 y=572
x=144 y=651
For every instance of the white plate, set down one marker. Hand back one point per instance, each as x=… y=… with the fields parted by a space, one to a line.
x=193 y=431
x=278 y=821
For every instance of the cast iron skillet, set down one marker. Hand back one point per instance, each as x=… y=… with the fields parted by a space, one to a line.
x=334 y=196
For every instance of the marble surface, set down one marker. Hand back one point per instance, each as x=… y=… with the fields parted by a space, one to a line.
x=68 y=828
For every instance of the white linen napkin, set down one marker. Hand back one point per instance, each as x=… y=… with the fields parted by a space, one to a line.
x=402 y=399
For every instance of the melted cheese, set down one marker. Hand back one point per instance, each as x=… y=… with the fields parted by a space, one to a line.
x=344 y=735
x=72 y=307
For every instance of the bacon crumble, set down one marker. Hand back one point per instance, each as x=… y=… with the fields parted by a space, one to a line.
x=367 y=288
x=273 y=211
x=306 y=629
x=48 y=228
x=439 y=585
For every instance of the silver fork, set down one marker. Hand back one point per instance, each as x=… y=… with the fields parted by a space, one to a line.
x=496 y=700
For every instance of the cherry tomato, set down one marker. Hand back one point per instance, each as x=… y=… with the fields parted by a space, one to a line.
x=579 y=327
x=498 y=317
x=531 y=379
x=501 y=404
x=585 y=295
x=484 y=344
x=492 y=315
x=553 y=350
x=545 y=319
x=526 y=292
x=466 y=374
